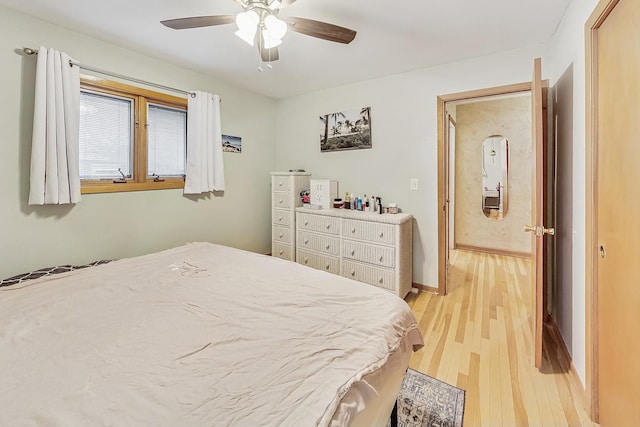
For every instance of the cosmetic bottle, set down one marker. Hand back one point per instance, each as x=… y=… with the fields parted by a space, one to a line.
x=359 y=203
x=353 y=201
x=347 y=201
x=365 y=203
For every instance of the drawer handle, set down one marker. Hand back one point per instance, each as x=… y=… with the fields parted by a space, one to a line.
x=306 y=223
x=281 y=251
x=327 y=247
x=326 y=267
x=381 y=235
x=380 y=258
x=306 y=260
x=353 y=274
x=280 y=201
x=306 y=242
x=353 y=252
x=353 y=230
x=281 y=184
x=281 y=235
x=280 y=218
x=381 y=281
x=328 y=226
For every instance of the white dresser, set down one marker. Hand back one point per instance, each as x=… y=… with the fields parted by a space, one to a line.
x=368 y=247
x=285 y=197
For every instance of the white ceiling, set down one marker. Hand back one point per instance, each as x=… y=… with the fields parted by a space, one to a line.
x=394 y=36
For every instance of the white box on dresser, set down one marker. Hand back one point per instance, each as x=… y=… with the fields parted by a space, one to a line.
x=285 y=197
x=323 y=191
x=368 y=247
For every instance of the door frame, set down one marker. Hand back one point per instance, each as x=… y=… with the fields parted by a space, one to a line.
x=443 y=165
x=593 y=24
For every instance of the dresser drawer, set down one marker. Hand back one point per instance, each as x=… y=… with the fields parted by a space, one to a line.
x=371 y=231
x=377 y=255
x=319 y=262
x=319 y=242
x=281 y=217
x=281 y=183
x=281 y=200
x=324 y=224
x=365 y=273
x=281 y=234
x=281 y=250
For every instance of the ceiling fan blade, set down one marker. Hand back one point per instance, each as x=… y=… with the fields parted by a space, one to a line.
x=198 y=21
x=285 y=3
x=268 y=55
x=321 y=30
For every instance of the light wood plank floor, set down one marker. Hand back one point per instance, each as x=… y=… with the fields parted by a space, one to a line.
x=479 y=338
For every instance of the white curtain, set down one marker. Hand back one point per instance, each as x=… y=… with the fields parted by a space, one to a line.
x=205 y=168
x=55 y=166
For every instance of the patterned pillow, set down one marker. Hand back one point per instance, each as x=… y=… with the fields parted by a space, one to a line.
x=47 y=272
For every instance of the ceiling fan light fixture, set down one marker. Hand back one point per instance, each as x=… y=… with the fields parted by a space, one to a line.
x=274 y=4
x=247 y=23
x=277 y=27
x=269 y=42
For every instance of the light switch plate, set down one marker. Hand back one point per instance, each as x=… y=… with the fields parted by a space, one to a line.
x=414 y=184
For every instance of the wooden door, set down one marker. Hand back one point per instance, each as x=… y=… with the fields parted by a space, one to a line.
x=618 y=215
x=537 y=229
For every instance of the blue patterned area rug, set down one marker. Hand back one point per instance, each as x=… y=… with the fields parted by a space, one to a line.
x=427 y=402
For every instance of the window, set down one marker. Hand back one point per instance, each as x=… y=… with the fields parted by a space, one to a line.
x=130 y=138
x=166 y=140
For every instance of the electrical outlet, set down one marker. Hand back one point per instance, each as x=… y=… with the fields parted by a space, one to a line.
x=414 y=184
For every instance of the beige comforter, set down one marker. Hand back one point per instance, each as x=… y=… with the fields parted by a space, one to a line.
x=199 y=335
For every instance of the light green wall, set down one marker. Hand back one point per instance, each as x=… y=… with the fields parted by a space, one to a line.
x=124 y=224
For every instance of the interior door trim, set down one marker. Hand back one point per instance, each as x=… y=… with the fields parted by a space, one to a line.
x=595 y=21
x=443 y=164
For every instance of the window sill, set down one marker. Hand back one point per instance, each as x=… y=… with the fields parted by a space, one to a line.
x=94 y=187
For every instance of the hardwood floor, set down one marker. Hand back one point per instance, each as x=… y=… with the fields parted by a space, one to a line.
x=479 y=338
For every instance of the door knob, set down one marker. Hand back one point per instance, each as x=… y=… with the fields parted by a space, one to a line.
x=539 y=231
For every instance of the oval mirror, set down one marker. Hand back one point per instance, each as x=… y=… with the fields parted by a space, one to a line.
x=495 y=164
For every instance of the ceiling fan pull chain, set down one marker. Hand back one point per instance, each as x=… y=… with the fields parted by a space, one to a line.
x=260 y=56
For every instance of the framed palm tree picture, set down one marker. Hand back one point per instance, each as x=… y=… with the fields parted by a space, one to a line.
x=347 y=130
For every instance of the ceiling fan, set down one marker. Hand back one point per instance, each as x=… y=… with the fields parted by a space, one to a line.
x=259 y=25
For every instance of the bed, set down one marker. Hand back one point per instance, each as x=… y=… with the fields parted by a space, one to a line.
x=200 y=335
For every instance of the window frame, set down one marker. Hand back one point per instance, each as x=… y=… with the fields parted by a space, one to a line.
x=139 y=180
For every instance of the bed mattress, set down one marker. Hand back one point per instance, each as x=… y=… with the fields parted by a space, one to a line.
x=199 y=335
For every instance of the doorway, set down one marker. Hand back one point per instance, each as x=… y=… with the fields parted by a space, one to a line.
x=447 y=113
x=539 y=191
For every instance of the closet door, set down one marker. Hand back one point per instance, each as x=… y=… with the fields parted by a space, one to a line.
x=618 y=215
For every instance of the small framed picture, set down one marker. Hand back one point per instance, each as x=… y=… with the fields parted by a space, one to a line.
x=231 y=144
